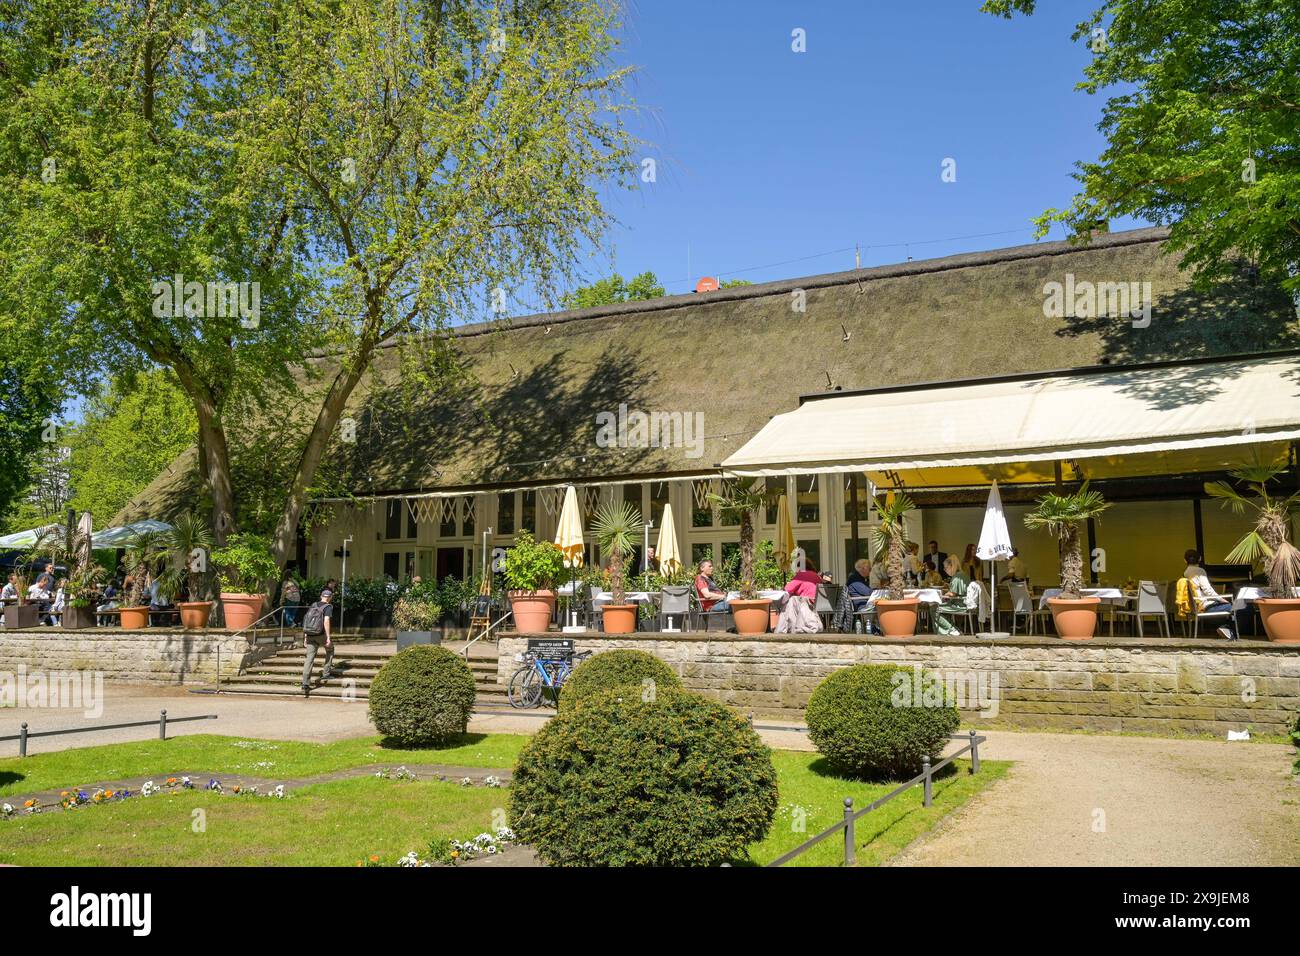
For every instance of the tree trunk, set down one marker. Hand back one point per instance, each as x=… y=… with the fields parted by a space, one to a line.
x=895 y=563
x=747 y=556
x=215 y=467
x=1071 y=563
x=616 y=575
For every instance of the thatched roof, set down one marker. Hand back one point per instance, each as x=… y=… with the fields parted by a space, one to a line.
x=744 y=354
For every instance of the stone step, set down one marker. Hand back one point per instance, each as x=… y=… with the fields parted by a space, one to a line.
x=294 y=680
x=295 y=667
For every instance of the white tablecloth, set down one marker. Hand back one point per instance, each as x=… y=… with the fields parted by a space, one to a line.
x=1107 y=595
x=924 y=595
x=770 y=595
x=1251 y=594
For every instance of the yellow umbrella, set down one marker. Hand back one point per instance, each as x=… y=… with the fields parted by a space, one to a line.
x=784 y=543
x=666 y=551
x=568 y=537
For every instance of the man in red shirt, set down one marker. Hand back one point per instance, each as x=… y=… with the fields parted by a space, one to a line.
x=711 y=599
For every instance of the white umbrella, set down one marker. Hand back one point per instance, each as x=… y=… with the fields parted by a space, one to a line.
x=667 y=553
x=125 y=535
x=25 y=539
x=85 y=526
x=994 y=544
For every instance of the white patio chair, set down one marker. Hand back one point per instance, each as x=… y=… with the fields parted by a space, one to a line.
x=1150 y=603
x=1022 y=604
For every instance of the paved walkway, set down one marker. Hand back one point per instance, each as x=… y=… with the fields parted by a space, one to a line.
x=1084 y=800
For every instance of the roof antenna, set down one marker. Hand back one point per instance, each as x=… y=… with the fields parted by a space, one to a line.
x=857 y=256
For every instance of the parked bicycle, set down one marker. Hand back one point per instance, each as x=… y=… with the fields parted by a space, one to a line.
x=529 y=684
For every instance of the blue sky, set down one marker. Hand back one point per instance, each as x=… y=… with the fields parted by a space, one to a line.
x=766 y=155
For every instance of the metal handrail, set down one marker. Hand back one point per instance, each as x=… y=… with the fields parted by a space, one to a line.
x=271 y=613
x=924 y=778
x=486 y=631
x=163 y=720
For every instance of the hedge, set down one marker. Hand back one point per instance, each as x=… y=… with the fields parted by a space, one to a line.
x=422 y=696
x=623 y=668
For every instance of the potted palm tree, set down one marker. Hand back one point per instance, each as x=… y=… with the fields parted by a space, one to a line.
x=532 y=569
x=1074 y=615
x=84 y=581
x=1267 y=542
x=246 y=567
x=749 y=612
x=142 y=559
x=190 y=544
x=616 y=527
x=896 y=614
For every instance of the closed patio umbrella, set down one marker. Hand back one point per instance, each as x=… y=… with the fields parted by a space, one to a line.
x=994 y=545
x=85 y=527
x=667 y=553
x=784 y=542
x=568 y=538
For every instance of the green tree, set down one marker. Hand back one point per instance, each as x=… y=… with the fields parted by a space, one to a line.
x=25 y=410
x=378 y=168
x=615 y=289
x=1202 y=128
x=132 y=429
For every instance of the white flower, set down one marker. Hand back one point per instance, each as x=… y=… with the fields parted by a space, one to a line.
x=492 y=781
x=148 y=789
x=466 y=782
x=278 y=792
x=7 y=810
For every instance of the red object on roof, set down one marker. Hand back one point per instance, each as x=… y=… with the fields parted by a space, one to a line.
x=707 y=284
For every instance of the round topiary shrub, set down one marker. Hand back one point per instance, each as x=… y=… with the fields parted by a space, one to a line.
x=622 y=781
x=422 y=696
x=879 y=721
x=620 y=668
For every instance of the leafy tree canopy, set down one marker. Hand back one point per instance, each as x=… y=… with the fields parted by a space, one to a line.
x=1202 y=128
x=615 y=289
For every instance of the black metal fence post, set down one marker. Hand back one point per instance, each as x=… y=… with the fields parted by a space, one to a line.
x=22 y=740
x=850 y=841
x=974 y=753
x=929 y=791
x=162 y=725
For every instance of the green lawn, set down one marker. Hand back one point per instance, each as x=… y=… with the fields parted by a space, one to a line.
x=342 y=822
x=207 y=753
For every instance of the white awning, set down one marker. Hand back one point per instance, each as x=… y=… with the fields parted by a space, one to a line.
x=1193 y=417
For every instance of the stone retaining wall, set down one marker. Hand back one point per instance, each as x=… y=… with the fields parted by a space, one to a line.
x=152 y=655
x=1112 y=684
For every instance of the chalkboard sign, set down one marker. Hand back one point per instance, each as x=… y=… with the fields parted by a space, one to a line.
x=551 y=649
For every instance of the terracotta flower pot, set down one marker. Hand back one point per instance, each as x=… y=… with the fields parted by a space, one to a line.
x=897 y=618
x=1281 y=618
x=135 y=617
x=1075 y=620
x=619 y=618
x=195 y=614
x=241 y=609
x=533 y=610
x=751 y=617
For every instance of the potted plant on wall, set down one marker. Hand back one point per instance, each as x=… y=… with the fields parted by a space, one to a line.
x=895 y=613
x=741 y=500
x=1268 y=542
x=190 y=546
x=142 y=559
x=1074 y=615
x=532 y=568
x=245 y=565
x=22 y=615
x=84 y=582
x=616 y=528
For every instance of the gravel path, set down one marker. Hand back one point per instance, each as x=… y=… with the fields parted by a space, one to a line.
x=1081 y=800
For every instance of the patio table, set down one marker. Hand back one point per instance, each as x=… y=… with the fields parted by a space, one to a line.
x=1251 y=594
x=777 y=595
x=1107 y=595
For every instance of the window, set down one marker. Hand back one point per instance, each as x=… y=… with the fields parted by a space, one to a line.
x=393 y=518
x=528 y=513
x=658 y=498
x=807 y=501
x=701 y=513
x=412 y=523
x=864 y=499
x=632 y=496
x=447 y=519
x=864 y=550
x=392 y=562
x=813 y=552
x=506 y=513
x=467 y=517
x=774 y=487
x=699 y=551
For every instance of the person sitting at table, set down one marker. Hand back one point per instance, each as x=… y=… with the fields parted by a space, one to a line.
x=971 y=566
x=935 y=559
x=157 y=601
x=108 y=600
x=706 y=590
x=913 y=566
x=954 y=598
x=798 y=612
x=1207 y=599
x=38 y=595
x=60 y=602
x=859 y=580
x=9 y=593
x=879 y=577
x=1015 y=568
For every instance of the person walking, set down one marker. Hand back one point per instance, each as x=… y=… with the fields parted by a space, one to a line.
x=316 y=630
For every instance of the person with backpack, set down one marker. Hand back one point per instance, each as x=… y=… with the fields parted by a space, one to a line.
x=316 y=631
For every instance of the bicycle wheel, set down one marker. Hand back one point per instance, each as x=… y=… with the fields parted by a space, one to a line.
x=525 y=689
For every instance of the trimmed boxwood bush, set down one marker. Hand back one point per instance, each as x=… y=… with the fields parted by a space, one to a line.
x=422 y=696
x=622 y=667
x=621 y=781
x=867 y=720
